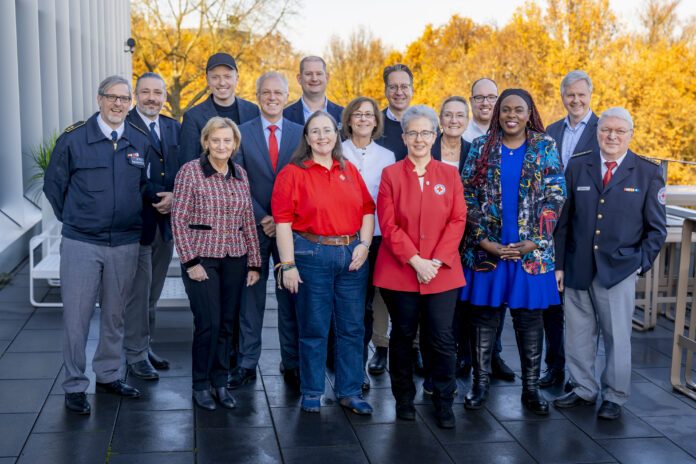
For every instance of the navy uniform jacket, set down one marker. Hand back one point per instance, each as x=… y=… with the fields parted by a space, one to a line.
x=254 y=158
x=161 y=170
x=391 y=137
x=610 y=232
x=194 y=120
x=436 y=151
x=97 y=190
x=295 y=112
x=588 y=139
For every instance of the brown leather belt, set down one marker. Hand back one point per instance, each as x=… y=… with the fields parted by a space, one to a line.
x=342 y=240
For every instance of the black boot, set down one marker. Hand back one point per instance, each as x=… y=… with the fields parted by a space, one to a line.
x=483 y=341
x=529 y=344
x=378 y=363
x=443 y=413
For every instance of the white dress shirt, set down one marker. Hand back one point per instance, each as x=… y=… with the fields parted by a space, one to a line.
x=604 y=166
x=149 y=121
x=107 y=130
x=473 y=131
x=267 y=132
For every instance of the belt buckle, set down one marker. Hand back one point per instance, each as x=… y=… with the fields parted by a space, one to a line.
x=347 y=237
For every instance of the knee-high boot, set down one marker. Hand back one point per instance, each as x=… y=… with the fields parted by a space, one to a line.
x=529 y=344
x=483 y=341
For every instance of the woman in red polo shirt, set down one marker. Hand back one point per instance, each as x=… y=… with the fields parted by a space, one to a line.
x=324 y=223
x=422 y=215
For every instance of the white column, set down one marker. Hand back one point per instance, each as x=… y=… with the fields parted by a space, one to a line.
x=11 y=188
x=101 y=26
x=89 y=89
x=127 y=22
x=110 y=39
x=63 y=77
x=78 y=101
x=49 y=67
x=94 y=38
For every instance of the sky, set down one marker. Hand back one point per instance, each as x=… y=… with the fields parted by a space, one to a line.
x=399 y=22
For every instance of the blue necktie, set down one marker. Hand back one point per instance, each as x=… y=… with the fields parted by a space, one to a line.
x=155 y=136
x=114 y=137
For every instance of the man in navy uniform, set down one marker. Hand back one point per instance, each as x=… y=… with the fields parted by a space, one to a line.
x=313 y=79
x=156 y=244
x=95 y=182
x=611 y=229
x=576 y=133
x=222 y=76
x=268 y=142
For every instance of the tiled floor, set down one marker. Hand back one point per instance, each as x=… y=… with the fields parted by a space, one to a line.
x=658 y=425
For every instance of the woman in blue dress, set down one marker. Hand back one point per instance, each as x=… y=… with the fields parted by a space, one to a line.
x=514 y=189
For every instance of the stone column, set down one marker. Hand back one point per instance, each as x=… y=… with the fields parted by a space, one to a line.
x=63 y=76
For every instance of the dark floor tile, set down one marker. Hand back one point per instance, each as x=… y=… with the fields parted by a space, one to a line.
x=505 y=404
x=239 y=445
x=179 y=362
x=145 y=431
x=179 y=334
x=9 y=329
x=662 y=345
x=281 y=395
x=19 y=294
x=270 y=339
x=380 y=380
x=647 y=399
x=297 y=428
x=8 y=460
x=55 y=417
x=14 y=431
x=472 y=426
x=46 y=319
x=646 y=450
x=23 y=395
x=402 y=443
x=486 y=453
x=32 y=341
x=678 y=428
x=181 y=457
x=3 y=346
x=66 y=447
x=251 y=411
x=643 y=355
x=179 y=318
x=556 y=441
x=269 y=362
x=325 y=454
x=627 y=426
x=30 y=365
x=165 y=394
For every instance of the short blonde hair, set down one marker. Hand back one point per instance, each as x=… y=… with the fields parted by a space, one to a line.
x=218 y=122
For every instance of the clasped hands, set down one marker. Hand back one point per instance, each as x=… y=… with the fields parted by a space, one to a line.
x=510 y=252
x=426 y=269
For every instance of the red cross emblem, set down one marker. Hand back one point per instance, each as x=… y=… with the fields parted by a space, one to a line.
x=440 y=189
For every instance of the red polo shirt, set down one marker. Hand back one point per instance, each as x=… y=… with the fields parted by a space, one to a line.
x=321 y=201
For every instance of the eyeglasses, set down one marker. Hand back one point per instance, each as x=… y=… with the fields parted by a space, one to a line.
x=425 y=135
x=111 y=98
x=362 y=115
x=403 y=87
x=619 y=132
x=488 y=98
x=275 y=93
x=327 y=131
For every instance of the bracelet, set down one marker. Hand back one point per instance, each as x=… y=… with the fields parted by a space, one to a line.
x=285 y=266
x=436 y=261
x=188 y=271
x=363 y=242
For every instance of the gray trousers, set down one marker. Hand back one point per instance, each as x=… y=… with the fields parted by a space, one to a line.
x=88 y=272
x=586 y=312
x=139 y=320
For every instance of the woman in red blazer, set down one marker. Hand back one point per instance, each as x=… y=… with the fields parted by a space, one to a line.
x=422 y=215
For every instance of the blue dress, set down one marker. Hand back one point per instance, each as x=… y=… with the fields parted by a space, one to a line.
x=508 y=283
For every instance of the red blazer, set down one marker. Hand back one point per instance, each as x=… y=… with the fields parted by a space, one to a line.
x=428 y=223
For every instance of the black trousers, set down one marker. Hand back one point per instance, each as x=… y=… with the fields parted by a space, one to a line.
x=215 y=306
x=553 y=327
x=435 y=312
x=462 y=321
x=522 y=319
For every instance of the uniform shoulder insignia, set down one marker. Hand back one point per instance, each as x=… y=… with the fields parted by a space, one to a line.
x=74 y=126
x=575 y=155
x=137 y=128
x=654 y=161
x=167 y=117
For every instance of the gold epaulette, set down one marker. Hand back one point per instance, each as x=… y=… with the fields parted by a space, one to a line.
x=137 y=128
x=75 y=125
x=581 y=153
x=651 y=160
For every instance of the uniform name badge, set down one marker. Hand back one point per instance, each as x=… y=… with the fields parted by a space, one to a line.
x=583 y=188
x=134 y=159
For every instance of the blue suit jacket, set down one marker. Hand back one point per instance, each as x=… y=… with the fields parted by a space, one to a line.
x=436 y=151
x=162 y=168
x=295 y=112
x=254 y=158
x=610 y=232
x=588 y=139
x=195 y=118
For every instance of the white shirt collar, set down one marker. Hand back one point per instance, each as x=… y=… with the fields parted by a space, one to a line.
x=391 y=115
x=618 y=161
x=265 y=123
x=582 y=123
x=107 y=130
x=149 y=121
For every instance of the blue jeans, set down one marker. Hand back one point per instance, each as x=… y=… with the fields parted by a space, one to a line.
x=327 y=289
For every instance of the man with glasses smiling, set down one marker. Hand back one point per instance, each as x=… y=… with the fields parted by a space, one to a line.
x=398 y=88
x=484 y=94
x=96 y=181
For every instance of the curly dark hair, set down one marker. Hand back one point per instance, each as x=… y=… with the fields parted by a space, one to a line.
x=494 y=131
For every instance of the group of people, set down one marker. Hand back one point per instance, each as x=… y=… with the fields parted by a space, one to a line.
x=452 y=221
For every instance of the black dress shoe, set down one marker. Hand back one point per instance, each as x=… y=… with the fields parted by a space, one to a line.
x=118 y=387
x=406 y=411
x=224 y=398
x=552 y=376
x=378 y=363
x=501 y=371
x=292 y=378
x=204 y=399
x=571 y=400
x=418 y=367
x=569 y=386
x=609 y=410
x=77 y=402
x=143 y=370
x=444 y=417
x=535 y=402
x=157 y=362
x=240 y=376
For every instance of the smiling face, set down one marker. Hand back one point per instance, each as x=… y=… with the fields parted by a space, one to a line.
x=614 y=136
x=114 y=113
x=272 y=98
x=222 y=81
x=514 y=115
x=399 y=90
x=576 y=100
x=481 y=111
x=321 y=136
x=362 y=121
x=454 y=118
x=313 y=78
x=419 y=137
x=150 y=96
x=220 y=144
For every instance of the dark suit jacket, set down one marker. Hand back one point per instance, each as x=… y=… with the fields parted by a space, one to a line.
x=295 y=112
x=612 y=231
x=161 y=169
x=198 y=116
x=588 y=139
x=391 y=137
x=254 y=158
x=436 y=151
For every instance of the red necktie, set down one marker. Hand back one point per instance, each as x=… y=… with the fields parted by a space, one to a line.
x=607 y=176
x=273 y=147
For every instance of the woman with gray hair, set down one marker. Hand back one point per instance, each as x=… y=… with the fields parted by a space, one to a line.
x=422 y=215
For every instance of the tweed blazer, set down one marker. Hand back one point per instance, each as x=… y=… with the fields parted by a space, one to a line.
x=541 y=196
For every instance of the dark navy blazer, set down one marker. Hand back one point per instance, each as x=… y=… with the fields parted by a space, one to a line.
x=588 y=139
x=161 y=169
x=195 y=118
x=391 y=137
x=610 y=232
x=254 y=158
x=436 y=151
x=295 y=112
